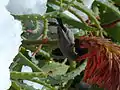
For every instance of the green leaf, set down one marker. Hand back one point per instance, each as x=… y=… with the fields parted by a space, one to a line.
x=27 y=87
x=25 y=61
x=72 y=74
x=32 y=30
x=114 y=32
x=26 y=75
x=89 y=12
x=116 y=1
x=75 y=24
x=24 y=86
x=108 y=12
x=55 y=68
x=15 y=86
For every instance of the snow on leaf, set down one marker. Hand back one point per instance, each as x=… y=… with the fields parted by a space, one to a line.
x=30 y=83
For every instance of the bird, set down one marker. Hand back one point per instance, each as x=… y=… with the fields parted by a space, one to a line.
x=67 y=43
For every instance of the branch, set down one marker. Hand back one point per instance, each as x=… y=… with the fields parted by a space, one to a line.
x=29 y=42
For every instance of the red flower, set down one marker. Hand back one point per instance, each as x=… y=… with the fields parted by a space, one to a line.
x=103 y=66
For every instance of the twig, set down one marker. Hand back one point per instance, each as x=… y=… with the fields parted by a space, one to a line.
x=40 y=46
x=31 y=42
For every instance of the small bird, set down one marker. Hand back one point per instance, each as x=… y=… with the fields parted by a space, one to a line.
x=66 y=41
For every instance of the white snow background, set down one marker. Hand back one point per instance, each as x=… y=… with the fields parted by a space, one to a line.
x=10 y=31
x=10 y=40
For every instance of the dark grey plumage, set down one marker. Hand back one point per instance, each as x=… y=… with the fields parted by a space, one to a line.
x=66 y=41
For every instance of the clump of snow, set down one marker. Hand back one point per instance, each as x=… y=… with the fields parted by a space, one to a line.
x=21 y=7
x=88 y=3
x=30 y=83
x=26 y=69
x=10 y=40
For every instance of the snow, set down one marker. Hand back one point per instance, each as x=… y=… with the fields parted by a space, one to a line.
x=21 y=7
x=30 y=83
x=10 y=40
x=88 y=3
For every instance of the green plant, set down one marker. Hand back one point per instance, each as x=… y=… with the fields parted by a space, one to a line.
x=50 y=68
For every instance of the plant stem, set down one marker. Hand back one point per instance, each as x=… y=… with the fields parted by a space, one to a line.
x=90 y=14
x=77 y=15
x=36 y=16
x=25 y=42
x=68 y=84
x=45 y=28
x=74 y=72
x=26 y=75
x=72 y=67
x=30 y=76
x=28 y=62
x=82 y=8
x=43 y=83
x=68 y=7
